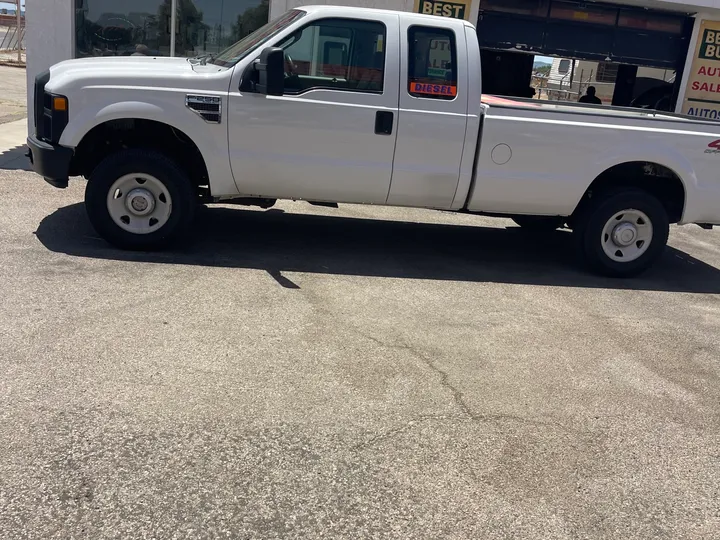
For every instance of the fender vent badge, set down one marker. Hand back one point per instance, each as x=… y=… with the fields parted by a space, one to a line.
x=208 y=107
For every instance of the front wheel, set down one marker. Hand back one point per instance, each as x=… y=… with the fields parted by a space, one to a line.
x=139 y=200
x=622 y=233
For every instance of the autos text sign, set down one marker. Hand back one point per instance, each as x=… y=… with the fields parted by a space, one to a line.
x=702 y=96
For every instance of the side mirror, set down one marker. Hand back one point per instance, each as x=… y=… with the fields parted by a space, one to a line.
x=271 y=72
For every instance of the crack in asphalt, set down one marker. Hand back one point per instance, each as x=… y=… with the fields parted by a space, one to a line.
x=466 y=413
x=444 y=378
x=389 y=434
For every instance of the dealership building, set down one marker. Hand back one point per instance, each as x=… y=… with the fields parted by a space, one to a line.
x=681 y=39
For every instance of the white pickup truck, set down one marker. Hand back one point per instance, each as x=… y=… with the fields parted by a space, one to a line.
x=332 y=104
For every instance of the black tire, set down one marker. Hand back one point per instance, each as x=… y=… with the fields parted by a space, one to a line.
x=539 y=223
x=177 y=183
x=596 y=213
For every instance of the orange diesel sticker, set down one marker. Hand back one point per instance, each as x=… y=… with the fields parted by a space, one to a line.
x=433 y=89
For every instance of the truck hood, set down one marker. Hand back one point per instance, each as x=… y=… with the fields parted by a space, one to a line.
x=151 y=71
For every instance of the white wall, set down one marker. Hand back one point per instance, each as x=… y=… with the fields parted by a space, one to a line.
x=49 y=39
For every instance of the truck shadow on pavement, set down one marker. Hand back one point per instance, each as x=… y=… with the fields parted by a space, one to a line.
x=15 y=159
x=279 y=242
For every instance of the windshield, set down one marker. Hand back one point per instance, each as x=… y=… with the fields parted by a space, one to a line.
x=233 y=54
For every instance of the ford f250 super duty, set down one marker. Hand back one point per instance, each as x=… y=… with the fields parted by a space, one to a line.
x=330 y=104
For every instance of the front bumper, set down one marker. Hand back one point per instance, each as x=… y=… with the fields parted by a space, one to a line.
x=51 y=161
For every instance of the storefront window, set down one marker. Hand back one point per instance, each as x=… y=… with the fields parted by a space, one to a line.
x=126 y=27
x=221 y=23
x=112 y=27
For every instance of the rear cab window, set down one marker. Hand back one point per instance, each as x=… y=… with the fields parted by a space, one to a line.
x=432 y=66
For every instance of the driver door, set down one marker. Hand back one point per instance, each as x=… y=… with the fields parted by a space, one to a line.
x=331 y=135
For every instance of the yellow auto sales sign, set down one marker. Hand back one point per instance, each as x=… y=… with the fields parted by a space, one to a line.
x=702 y=96
x=457 y=9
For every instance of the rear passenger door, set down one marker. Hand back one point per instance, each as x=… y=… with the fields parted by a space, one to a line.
x=433 y=114
x=331 y=135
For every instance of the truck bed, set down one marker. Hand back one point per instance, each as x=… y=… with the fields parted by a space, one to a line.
x=596 y=110
x=539 y=157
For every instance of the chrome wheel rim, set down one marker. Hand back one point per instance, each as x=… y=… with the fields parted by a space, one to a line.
x=139 y=203
x=627 y=235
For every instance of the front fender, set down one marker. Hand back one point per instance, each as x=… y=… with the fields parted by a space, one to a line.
x=211 y=139
x=88 y=119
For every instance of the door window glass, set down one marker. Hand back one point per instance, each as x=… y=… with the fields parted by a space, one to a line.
x=432 y=63
x=340 y=54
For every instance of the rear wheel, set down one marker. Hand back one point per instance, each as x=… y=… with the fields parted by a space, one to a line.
x=622 y=233
x=140 y=200
x=539 y=223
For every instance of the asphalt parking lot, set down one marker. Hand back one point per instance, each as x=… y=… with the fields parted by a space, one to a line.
x=357 y=372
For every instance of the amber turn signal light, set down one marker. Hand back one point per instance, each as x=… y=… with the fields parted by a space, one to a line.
x=60 y=104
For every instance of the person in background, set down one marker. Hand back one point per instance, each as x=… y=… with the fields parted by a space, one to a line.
x=590 y=97
x=141 y=50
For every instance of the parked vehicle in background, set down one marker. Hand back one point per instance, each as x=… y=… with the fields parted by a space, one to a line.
x=330 y=104
x=653 y=94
